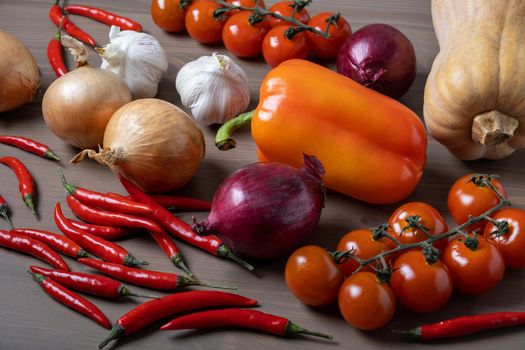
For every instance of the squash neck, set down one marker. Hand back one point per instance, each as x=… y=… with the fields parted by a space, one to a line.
x=493 y=128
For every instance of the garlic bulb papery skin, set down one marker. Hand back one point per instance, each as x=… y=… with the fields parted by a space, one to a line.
x=214 y=88
x=137 y=58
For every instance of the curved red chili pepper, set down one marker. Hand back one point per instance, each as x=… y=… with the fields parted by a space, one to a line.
x=39 y=250
x=145 y=278
x=93 y=284
x=103 y=16
x=54 y=55
x=178 y=228
x=58 y=242
x=154 y=310
x=105 y=217
x=26 y=186
x=171 y=250
x=104 y=201
x=109 y=233
x=98 y=246
x=251 y=319
x=178 y=203
x=4 y=211
x=71 y=300
x=29 y=145
x=56 y=14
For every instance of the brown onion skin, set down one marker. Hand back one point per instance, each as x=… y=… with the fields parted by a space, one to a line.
x=19 y=74
x=265 y=210
x=158 y=163
x=380 y=57
x=78 y=105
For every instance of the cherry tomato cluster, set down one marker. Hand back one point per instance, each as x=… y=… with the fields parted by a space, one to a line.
x=248 y=33
x=390 y=268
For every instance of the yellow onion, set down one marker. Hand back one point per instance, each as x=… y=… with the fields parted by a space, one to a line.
x=19 y=74
x=152 y=143
x=78 y=105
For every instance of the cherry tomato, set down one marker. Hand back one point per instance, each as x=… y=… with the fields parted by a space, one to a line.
x=168 y=15
x=474 y=271
x=511 y=244
x=201 y=24
x=313 y=276
x=278 y=48
x=246 y=3
x=418 y=285
x=429 y=218
x=339 y=31
x=365 y=303
x=285 y=8
x=466 y=198
x=364 y=246
x=241 y=38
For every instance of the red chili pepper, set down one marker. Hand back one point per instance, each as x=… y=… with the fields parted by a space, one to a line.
x=4 y=211
x=171 y=250
x=58 y=242
x=460 y=326
x=252 y=319
x=95 y=245
x=103 y=16
x=105 y=217
x=26 y=186
x=71 y=300
x=39 y=250
x=177 y=203
x=56 y=15
x=155 y=310
x=105 y=201
x=29 y=145
x=109 y=233
x=54 y=55
x=146 y=278
x=178 y=228
x=93 y=284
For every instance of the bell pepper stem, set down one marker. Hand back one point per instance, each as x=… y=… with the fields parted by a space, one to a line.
x=223 y=139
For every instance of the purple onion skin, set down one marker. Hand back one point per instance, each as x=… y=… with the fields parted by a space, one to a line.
x=380 y=57
x=264 y=210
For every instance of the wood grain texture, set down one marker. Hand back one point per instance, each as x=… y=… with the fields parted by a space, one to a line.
x=29 y=319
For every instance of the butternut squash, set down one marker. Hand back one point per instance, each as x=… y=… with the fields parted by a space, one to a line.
x=475 y=93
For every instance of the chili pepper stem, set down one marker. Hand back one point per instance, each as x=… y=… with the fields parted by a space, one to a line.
x=294 y=329
x=28 y=200
x=49 y=154
x=37 y=277
x=130 y=260
x=190 y=281
x=179 y=262
x=125 y=292
x=82 y=254
x=225 y=252
x=223 y=139
x=70 y=189
x=414 y=332
x=116 y=332
x=5 y=215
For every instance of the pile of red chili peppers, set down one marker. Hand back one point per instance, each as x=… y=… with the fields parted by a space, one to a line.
x=59 y=16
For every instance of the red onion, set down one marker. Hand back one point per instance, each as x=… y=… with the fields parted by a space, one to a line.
x=380 y=57
x=264 y=210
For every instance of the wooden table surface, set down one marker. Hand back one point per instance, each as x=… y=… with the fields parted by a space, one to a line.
x=29 y=319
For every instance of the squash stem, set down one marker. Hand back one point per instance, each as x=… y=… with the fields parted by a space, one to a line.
x=223 y=139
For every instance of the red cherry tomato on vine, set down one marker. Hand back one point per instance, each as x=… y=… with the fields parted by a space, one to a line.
x=365 y=303
x=339 y=30
x=312 y=276
x=277 y=48
x=241 y=38
x=364 y=246
x=474 y=271
x=511 y=244
x=466 y=198
x=202 y=26
x=429 y=218
x=418 y=285
x=168 y=15
x=285 y=8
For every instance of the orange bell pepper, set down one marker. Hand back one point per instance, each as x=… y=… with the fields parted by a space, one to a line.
x=372 y=147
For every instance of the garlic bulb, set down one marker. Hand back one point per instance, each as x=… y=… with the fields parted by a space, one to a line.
x=137 y=58
x=214 y=88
